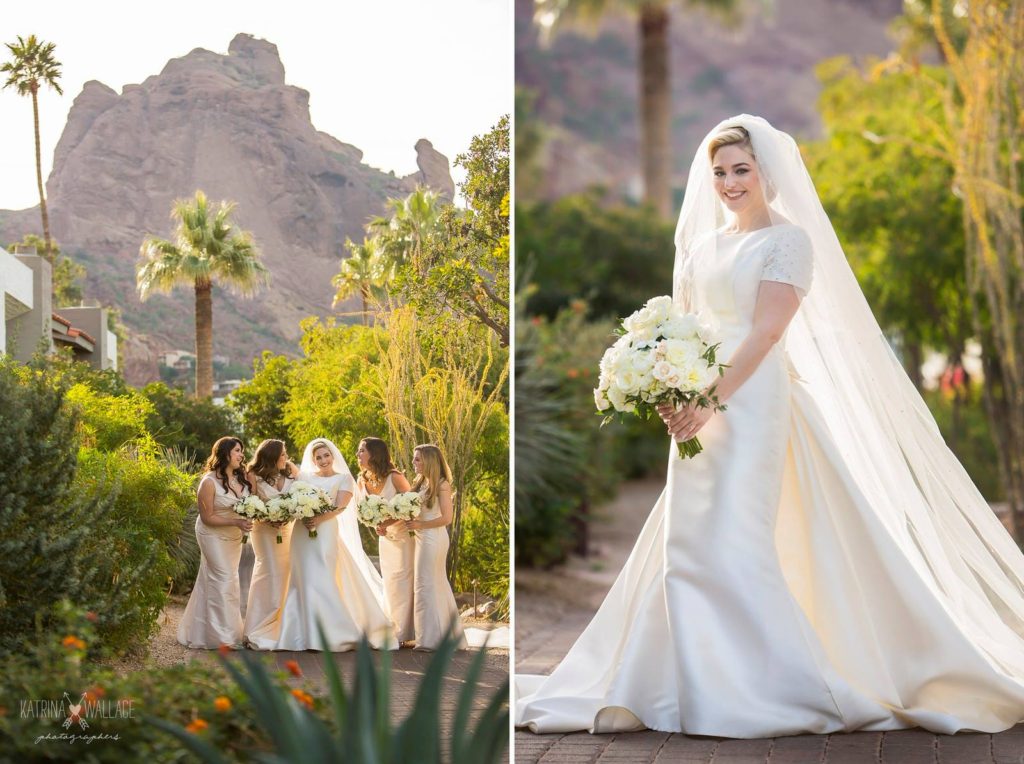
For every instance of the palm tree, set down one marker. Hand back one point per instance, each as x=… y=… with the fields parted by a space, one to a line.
x=362 y=273
x=206 y=248
x=33 y=66
x=404 y=233
x=655 y=84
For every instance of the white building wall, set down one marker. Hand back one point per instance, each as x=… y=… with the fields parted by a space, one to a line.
x=16 y=290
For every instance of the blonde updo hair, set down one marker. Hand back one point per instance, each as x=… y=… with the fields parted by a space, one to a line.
x=735 y=135
x=730 y=136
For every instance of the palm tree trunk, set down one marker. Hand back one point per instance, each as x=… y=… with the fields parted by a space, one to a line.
x=655 y=106
x=362 y=295
x=204 y=339
x=39 y=174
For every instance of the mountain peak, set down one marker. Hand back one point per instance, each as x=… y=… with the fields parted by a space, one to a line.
x=260 y=56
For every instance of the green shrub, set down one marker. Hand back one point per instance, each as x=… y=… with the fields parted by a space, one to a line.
x=47 y=520
x=181 y=694
x=565 y=461
x=131 y=547
x=330 y=392
x=109 y=421
x=186 y=424
x=485 y=557
x=260 y=402
x=615 y=258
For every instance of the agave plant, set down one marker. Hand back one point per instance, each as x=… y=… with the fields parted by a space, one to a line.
x=362 y=716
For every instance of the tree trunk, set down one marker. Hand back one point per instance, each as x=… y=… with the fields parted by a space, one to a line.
x=656 y=106
x=913 y=362
x=39 y=175
x=204 y=339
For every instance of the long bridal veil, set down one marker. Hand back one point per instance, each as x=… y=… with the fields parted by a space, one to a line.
x=881 y=426
x=348 y=523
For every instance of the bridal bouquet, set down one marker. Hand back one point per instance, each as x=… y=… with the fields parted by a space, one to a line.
x=250 y=507
x=309 y=501
x=661 y=356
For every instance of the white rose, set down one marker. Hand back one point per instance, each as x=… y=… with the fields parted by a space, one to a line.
x=642 y=361
x=662 y=370
x=659 y=308
x=601 y=399
x=628 y=381
x=681 y=353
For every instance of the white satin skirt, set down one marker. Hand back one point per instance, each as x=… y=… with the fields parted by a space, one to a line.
x=213 y=615
x=324 y=583
x=764 y=597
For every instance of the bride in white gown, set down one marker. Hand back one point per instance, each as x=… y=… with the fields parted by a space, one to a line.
x=330 y=576
x=826 y=564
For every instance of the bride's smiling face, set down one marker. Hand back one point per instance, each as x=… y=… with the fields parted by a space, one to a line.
x=737 y=182
x=323 y=458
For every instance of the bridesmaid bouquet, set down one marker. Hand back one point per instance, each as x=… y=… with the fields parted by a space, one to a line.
x=278 y=510
x=251 y=507
x=309 y=501
x=373 y=510
x=661 y=356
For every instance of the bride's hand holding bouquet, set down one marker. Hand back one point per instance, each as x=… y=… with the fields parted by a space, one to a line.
x=661 y=362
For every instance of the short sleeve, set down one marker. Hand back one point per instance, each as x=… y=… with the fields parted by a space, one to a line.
x=345 y=483
x=789 y=258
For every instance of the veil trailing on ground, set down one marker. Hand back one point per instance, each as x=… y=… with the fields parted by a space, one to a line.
x=348 y=523
x=887 y=436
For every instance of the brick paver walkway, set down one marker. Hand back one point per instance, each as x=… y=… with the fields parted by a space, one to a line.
x=553 y=608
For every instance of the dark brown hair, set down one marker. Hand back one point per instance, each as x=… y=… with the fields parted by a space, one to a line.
x=380 y=460
x=219 y=459
x=264 y=461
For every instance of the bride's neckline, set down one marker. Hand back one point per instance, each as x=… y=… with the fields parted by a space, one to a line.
x=752 y=230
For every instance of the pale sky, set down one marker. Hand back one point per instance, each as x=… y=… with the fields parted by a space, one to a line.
x=381 y=73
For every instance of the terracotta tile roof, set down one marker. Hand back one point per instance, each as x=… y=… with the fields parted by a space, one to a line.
x=71 y=330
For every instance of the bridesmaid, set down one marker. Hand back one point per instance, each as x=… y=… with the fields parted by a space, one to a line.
x=434 y=608
x=213 y=617
x=270 y=474
x=379 y=476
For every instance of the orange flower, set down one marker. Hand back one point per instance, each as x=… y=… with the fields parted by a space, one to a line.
x=293 y=667
x=572 y=373
x=72 y=642
x=196 y=726
x=92 y=617
x=224 y=650
x=222 y=703
x=93 y=693
x=303 y=697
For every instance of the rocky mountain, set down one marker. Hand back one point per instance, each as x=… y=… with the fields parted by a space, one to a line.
x=583 y=81
x=229 y=125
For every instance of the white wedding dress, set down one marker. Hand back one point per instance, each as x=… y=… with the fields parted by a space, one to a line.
x=325 y=583
x=769 y=592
